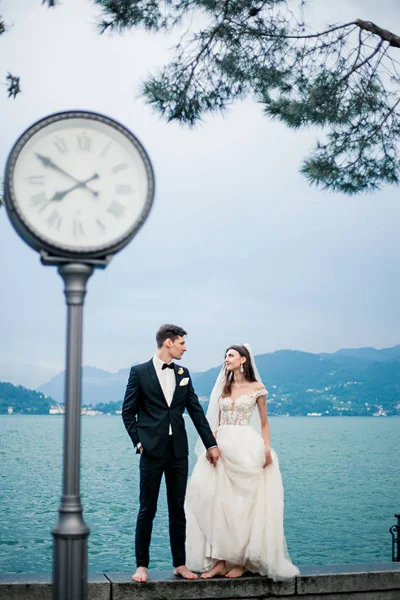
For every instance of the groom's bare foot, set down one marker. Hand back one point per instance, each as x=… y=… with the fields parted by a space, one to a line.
x=218 y=569
x=236 y=572
x=140 y=575
x=184 y=572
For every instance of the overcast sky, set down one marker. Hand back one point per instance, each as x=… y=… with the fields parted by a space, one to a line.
x=238 y=247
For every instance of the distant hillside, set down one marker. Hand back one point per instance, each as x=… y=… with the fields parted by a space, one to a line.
x=359 y=381
x=22 y=400
x=347 y=382
x=386 y=354
x=98 y=386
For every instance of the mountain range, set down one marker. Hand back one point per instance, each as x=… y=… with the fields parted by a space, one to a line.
x=360 y=381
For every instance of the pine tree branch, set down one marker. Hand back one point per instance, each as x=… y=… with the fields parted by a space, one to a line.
x=258 y=33
x=364 y=62
x=378 y=128
x=13 y=82
x=384 y=34
x=317 y=35
x=360 y=45
x=13 y=85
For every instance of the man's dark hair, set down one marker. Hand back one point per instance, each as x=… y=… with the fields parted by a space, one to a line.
x=170 y=332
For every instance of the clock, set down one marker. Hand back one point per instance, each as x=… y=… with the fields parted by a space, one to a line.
x=78 y=185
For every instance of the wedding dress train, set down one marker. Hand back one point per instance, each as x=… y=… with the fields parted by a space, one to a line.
x=234 y=511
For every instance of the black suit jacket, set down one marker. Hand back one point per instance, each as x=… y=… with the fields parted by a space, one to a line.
x=147 y=416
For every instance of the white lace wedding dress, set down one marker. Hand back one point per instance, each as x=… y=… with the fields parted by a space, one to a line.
x=234 y=511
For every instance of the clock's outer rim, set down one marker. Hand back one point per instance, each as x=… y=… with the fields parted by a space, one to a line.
x=22 y=226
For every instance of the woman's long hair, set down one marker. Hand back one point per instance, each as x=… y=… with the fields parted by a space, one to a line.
x=247 y=366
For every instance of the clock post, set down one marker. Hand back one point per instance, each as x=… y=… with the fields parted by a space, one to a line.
x=77 y=229
x=71 y=532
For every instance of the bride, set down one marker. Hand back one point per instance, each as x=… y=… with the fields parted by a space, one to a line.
x=234 y=511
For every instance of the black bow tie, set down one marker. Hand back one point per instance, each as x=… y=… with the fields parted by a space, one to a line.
x=165 y=366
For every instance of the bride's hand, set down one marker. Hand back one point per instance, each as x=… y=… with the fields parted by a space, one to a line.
x=268 y=458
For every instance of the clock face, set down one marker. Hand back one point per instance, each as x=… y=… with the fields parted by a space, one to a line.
x=79 y=183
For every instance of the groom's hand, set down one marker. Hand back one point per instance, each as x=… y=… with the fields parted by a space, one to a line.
x=213 y=455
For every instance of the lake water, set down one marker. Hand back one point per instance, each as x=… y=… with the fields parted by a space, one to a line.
x=341 y=478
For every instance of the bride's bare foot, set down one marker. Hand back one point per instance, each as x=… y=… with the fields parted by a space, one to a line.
x=236 y=572
x=218 y=569
x=140 y=575
x=184 y=572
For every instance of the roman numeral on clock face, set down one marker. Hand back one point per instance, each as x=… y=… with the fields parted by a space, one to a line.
x=105 y=150
x=118 y=168
x=39 y=201
x=116 y=209
x=35 y=179
x=84 y=142
x=60 y=144
x=122 y=189
x=77 y=229
x=101 y=226
x=54 y=220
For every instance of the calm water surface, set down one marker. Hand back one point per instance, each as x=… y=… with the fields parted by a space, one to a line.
x=341 y=478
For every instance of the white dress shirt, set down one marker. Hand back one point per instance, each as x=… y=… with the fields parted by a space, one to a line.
x=167 y=380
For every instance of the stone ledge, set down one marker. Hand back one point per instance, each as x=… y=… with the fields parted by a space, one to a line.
x=348 y=578
x=378 y=595
x=37 y=586
x=328 y=581
x=368 y=581
x=162 y=587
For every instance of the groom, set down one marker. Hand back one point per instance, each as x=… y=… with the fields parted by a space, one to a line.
x=156 y=396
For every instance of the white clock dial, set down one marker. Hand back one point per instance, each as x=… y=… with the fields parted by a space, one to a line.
x=80 y=184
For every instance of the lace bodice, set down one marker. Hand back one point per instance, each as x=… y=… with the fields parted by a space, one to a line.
x=239 y=411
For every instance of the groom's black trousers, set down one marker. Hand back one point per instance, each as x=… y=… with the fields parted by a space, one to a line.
x=151 y=472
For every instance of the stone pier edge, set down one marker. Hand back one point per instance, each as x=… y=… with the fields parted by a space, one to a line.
x=366 y=581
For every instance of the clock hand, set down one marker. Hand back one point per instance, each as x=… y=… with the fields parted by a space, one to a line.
x=61 y=195
x=47 y=162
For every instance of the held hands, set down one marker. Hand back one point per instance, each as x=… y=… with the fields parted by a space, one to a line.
x=268 y=458
x=212 y=455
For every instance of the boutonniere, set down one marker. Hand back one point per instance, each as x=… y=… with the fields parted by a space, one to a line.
x=180 y=372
